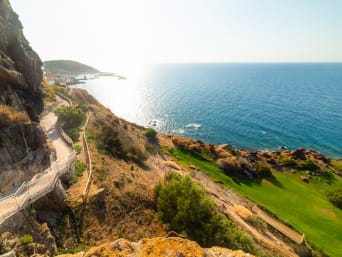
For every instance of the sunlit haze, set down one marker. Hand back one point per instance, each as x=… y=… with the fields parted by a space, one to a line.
x=112 y=34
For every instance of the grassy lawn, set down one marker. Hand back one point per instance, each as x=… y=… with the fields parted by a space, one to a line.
x=303 y=205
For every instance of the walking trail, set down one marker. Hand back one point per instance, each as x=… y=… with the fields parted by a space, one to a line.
x=49 y=122
x=41 y=183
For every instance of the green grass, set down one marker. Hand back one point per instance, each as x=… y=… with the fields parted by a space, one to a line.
x=303 y=205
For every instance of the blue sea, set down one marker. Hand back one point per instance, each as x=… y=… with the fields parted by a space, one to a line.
x=253 y=106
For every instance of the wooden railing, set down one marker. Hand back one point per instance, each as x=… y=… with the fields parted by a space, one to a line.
x=88 y=161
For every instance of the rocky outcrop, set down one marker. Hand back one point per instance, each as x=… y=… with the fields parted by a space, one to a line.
x=23 y=148
x=159 y=246
x=21 y=225
x=20 y=66
x=23 y=153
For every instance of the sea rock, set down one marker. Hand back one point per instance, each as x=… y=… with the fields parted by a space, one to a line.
x=299 y=154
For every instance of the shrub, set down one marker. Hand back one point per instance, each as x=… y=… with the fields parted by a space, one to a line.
x=232 y=164
x=27 y=239
x=263 y=170
x=9 y=116
x=185 y=207
x=335 y=197
x=80 y=167
x=77 y=148
x=112 y=143
x=288 y=162
x=71 y=118
x=257 y=222
x=308 y=164
x=151 y=134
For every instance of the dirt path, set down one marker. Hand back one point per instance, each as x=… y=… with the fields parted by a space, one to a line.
x=290 y=233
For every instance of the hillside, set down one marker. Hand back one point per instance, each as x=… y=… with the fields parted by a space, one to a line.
x=150 y=194
x=67 y=67
x=128 y=166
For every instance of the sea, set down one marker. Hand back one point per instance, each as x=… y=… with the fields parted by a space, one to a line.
x=256 y=106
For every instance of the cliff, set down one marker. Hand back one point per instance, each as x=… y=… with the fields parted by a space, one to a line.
x=23 y=148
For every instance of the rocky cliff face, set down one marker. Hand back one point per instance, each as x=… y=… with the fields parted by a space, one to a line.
x=23 y=149
x=20 y=66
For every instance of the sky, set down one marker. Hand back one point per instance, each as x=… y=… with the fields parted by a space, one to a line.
x=109 y=34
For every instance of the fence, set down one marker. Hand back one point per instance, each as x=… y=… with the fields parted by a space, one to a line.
x=88 y=160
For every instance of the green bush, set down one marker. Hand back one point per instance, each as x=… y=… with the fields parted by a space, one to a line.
x=185 y=207
x=77 y=148
x=335 y=197
x=70 y=116
x=151 y=134
x=308 y=164
x=288 y=162
x=27 y=239
x=80 y=167
x=263 y=170
x=112 y=143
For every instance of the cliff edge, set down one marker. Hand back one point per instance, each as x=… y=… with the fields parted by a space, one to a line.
x=23 y=147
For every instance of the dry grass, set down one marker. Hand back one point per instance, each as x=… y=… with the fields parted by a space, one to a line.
x=9 y=116
x=49 y=94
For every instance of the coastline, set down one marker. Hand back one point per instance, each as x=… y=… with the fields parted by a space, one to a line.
x=261 y=139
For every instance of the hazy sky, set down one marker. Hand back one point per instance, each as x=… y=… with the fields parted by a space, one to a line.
x=112 y=33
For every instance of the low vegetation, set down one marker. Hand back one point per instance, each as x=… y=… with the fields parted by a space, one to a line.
x=26 y=239
x=307 y=164
x=77 y=148
x=185 y=207
x=335 y=197
x=286 y=195
x=263 y=170
x=336 y=164
x=111 y=142
x=49 y=94
x=71 y=119
x=151 y=134
x=80 y=167
x=9 y=116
